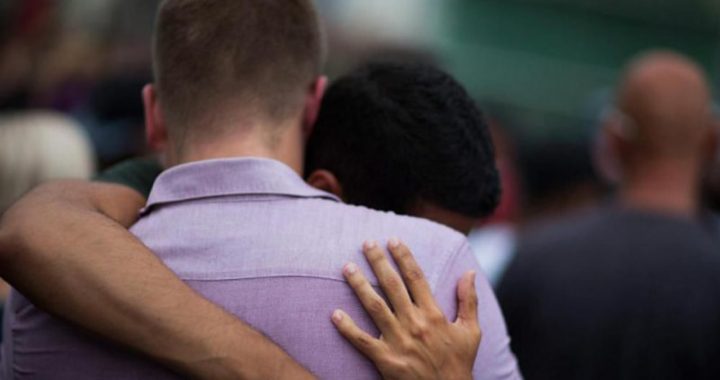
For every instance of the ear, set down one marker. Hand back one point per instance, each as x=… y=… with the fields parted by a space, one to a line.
x=313 y=102
x=326 y=181
x=155 y=128
x=610 y=148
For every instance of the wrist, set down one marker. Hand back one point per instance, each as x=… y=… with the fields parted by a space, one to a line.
x=456 y=371
x=238 y=352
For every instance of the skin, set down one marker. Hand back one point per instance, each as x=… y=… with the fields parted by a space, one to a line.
x=155 y=313
x=663 y=137
x=171 y=312
x=97 y=295
x=4 y=290
x=417 y=317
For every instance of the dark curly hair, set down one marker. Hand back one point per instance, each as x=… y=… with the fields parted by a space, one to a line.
x=396 y=134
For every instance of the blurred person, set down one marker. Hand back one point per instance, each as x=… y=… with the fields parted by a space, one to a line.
x=44 y=64
x=282 y=124
x=559 y=179
x=630 y=290
x=35 y=148
x=25 y=30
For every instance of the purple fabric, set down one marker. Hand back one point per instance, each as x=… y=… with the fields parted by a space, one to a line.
x=250 y=235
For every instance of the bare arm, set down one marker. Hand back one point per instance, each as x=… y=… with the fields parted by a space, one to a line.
x=74 y=236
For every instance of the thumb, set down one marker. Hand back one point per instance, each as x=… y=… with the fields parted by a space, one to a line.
x=467 y=300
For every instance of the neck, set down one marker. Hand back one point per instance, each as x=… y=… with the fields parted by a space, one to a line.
x=667 y=189
x=287 y=148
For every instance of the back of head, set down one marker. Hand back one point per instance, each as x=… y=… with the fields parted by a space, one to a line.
x=230 y=62
x=39 y=147
x=395 y=135
x=665 y=100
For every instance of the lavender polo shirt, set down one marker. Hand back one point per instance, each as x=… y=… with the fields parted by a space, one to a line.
x=250 y=235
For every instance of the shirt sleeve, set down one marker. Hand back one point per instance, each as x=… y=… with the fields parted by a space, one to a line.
x=495 y=359
x=139 y=174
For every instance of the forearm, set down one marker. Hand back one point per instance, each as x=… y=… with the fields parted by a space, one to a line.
x=97 y=275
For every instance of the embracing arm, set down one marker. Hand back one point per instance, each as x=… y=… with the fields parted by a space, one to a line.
x=74 y=236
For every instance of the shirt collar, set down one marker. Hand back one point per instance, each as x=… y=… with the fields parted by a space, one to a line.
x=227 y=177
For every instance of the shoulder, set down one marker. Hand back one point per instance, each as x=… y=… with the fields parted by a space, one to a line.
x=435 y=246
x=418 y=229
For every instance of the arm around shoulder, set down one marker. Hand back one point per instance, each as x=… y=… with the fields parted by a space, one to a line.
x=73 y=235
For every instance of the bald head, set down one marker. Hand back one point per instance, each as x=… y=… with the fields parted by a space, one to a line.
x=666 y=101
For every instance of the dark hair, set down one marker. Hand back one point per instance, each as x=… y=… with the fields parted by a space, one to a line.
x=396 y=134
x=212 y=55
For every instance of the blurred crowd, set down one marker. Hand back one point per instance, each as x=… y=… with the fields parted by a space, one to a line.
x=84 y=60
x=71 y=75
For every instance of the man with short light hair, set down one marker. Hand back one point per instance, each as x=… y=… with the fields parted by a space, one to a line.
x=237 y=94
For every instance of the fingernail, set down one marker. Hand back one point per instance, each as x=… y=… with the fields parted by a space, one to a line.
x=351 y=269
x=473 y=276
x=337 y=316
x=394 y=243
x=370 y=244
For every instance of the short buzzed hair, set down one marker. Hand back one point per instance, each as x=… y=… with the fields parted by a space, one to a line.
x=665 y=97
x=217 y=56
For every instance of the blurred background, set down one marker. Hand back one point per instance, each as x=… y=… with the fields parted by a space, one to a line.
x=542 y=70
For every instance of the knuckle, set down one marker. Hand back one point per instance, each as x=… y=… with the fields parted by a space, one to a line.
x=376 y=305
x=476 y=333
x=474 y=299
x=414 y=275
x=436 y=317
x=393 y=283
x=397 y=365
x=403 y=366
x=420 y=331
x=406 y=345
x=363 y=340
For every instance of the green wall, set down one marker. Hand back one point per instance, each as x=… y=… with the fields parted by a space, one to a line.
x=544 y=62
